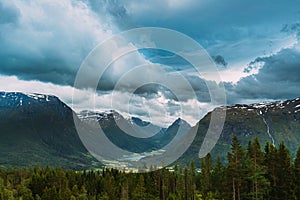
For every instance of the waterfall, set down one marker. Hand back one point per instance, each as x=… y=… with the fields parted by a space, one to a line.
x=267 y=125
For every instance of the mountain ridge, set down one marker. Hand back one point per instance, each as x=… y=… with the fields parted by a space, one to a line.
x=271 y=122
x=38 y=129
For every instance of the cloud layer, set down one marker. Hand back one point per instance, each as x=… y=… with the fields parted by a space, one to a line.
x=255 y=46
x=48 y=40
x=277 y=78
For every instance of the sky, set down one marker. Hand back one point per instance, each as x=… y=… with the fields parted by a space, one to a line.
x=254 y=45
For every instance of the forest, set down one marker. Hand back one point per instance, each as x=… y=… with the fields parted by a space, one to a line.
x=250 y=172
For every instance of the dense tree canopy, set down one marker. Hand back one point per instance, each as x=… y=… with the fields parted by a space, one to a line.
x=249 y=173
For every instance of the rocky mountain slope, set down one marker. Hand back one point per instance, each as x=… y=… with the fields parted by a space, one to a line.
x=271 y=122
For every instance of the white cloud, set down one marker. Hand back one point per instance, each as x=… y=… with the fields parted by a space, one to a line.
x=13 y=84
x=50 y=36
x=158 y=110
x=47 y=41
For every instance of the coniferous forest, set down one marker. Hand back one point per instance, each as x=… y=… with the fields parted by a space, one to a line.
x=248 y=173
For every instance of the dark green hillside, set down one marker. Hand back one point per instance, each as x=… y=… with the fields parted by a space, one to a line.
x=39 y=130
x=250 y=121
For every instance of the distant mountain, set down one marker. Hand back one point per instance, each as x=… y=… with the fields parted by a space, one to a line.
x=271 y=122
x=139 y=122
x=133 y=125
x=38 y=129
x=134 y=134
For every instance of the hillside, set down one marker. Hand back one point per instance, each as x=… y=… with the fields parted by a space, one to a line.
x=271 y=122
x=39 y=130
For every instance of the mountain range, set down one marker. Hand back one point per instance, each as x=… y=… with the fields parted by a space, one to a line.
x=272 y=122
x=37 y=129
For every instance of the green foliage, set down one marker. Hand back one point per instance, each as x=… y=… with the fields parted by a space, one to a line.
x=250 y=173
x=297 y=174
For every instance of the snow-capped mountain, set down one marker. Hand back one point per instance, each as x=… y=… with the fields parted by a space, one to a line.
x=22 y=99
x=141 y=135
x=38 y=129
x=290 y=106
x=132 y=125
x=87 y=115
x=272 y=122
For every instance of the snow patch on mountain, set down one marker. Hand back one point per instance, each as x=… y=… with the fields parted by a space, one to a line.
x=87 y=115
x=37 y=96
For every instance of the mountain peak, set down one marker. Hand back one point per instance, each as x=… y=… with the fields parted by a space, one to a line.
x=271 y=122
x=289 y=106
x=180 y=121
x=41 y=129
x=22 y=99
x=88 y=115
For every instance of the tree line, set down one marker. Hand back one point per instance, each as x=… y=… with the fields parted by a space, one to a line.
x=249 y=173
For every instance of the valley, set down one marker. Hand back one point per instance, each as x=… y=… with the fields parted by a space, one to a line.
x=39 y=129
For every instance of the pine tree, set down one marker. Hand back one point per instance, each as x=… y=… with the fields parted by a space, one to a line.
x=236 y=168
x=285 y=179
x=259 y=184
x=297 y=174
x=139 y=192
x=206 y=175
x=270 y=162
x=218 y=178
x=192 y=179
x=279 y=172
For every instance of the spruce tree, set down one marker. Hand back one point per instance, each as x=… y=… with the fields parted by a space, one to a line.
x=259 y=184
x=236 y=169
x=206 y=175
x=279 y=172
x=285 y=179
x=297 y=174
x=218 y=178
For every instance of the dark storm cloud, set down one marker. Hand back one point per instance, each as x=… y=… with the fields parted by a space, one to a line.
x=292 y=28
x=48 y=69
x=47 y=41
x=278 y=78
x=219 y=60
x=9 y=13
x=194 y=86
x=211 y=20
x=151 y=90
x=237 y=30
